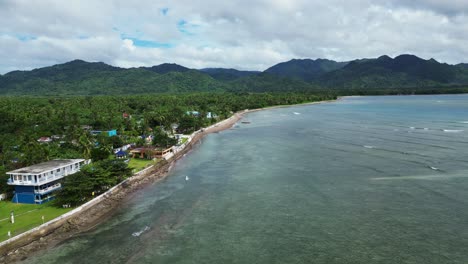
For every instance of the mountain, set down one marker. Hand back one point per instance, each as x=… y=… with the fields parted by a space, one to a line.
x=66 y=71
x=305 y=69
x=400 y=72
x=227 y=74
x=265 y=82
x=166 y=68
x=91 y=78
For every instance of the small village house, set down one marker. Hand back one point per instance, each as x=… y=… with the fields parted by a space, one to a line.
x=109 y=133
x=44 y=140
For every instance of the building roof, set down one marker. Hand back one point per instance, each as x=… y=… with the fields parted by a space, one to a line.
x=121 y=153
x=45 y=166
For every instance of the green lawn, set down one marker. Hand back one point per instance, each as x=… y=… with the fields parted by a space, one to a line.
x=27 y=216
x=139 y=164
x=183 y=140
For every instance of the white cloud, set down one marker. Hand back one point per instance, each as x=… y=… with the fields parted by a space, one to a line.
x=242 y=34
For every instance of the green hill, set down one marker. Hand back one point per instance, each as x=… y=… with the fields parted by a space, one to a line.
x=227 y=74
x=86 y=78
x=166 y=68
x=367 y=76
x=400 y=72
x=305 y=69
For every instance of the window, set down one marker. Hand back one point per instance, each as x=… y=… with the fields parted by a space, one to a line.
x=58 y=170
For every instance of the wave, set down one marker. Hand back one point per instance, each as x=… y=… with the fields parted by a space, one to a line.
x=452 y=130
x=137 y=234
x=296 y=113
x=463 y=122
x=369 y=147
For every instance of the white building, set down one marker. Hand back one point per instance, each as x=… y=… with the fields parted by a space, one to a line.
x=35 y=184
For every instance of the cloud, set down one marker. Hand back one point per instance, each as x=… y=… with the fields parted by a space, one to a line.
x=241 y=34
x=450 y=8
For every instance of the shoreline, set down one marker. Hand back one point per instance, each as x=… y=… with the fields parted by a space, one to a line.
x=97 y=210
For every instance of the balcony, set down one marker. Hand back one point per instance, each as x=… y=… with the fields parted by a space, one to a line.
x=42 y=180
x=48 y=189
x=10 y=182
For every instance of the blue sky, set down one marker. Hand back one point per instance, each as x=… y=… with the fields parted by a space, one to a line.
x=251 y=35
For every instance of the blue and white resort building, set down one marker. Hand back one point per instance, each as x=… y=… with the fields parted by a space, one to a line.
x=36 y=184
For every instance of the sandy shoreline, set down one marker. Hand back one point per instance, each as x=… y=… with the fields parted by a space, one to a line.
x=88 y=218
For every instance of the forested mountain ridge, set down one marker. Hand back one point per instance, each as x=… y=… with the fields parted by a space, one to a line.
x=166 y=68
x=227 y=74
x=364 y=75
x=305 y=69
x=402 y=71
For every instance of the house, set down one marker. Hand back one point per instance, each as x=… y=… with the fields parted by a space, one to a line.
x=121 y=154
x=211 y=115
x=139 y=152
x=109 y=133
x=36 y=184
x=44 y=140
x=193 y=113
x=152 y=153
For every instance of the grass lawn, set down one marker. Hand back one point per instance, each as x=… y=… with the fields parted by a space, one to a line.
x=27 y=216
x=183 y=140
x=139 y=164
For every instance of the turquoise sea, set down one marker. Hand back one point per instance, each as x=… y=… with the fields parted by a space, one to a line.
x=359 y=180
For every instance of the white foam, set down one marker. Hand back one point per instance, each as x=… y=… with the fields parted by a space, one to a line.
x=296 y=113
x=412 y=127
x=463 y=122
x=369 y=147
x=452 y=130
x=137 y=234
x=434 y=168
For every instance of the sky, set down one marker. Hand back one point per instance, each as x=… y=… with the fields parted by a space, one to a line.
x=241 y=34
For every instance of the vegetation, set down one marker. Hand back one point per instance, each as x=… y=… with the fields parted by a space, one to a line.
x=27 y=216
x=137 y=164
x=366 y=75
x=91 y=181
x=306 y=69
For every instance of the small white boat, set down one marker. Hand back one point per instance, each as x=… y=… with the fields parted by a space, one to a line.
x=187 y=178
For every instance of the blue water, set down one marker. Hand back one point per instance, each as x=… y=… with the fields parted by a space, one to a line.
x=360 y=180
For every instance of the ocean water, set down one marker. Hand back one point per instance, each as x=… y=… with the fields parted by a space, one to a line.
x=360 y=180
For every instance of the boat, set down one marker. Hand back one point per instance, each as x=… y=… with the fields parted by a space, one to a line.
x=245 y=122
